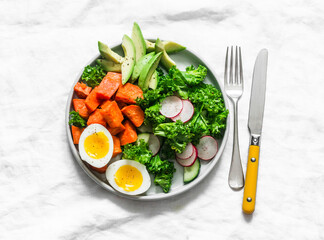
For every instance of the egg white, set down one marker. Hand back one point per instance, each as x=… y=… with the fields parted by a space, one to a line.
x=112 y=169
x=91 y=129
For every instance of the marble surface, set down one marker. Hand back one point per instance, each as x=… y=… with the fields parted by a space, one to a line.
x=44 y=194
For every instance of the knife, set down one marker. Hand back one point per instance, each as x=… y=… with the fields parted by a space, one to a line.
x=257 y=101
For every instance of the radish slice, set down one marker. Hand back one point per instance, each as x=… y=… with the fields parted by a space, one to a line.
x=186 y=113
x=188 y=161
x=171 y=106
x=187 y=153
x=154 y=144
x=207 y=148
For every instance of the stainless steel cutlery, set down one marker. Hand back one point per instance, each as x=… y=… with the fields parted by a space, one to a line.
x=233 y=82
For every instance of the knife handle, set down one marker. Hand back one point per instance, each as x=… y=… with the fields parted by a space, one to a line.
x=251 y=180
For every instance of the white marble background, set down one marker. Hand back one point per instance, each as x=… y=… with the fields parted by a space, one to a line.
x=44 y=194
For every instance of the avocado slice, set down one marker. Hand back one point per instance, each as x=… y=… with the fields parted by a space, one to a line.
x=109 y=66
x=109 y=54
x=138 y=41
x=128 y=64
x=169 y=46
x=148 y=70
x=166 y=61
x=172 y=47
x=154 y=80
x=140 y=64
x=150 y=47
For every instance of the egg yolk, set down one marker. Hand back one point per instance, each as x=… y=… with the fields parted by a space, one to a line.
x=128 y=178
x=96 y=145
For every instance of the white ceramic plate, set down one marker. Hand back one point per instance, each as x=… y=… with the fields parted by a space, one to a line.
x=183 y=59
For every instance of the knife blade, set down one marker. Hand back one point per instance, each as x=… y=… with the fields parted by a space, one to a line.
x=257 y=102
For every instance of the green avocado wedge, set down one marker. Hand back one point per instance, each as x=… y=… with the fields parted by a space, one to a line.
x=140 y=64
x=150 y=46
x=128 y=64
x=109 y=66
x=148 y=70
x=169 y=46
x=154 y=80
x=166 y=61
x=109 y=54
x=172 y=47
x=139 y=42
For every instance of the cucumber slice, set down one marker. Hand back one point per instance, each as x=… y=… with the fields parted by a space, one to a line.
x=191 y=173
x=144 y=136
x=144 y=129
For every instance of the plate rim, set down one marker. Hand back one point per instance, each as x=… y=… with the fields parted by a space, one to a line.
x=158 y=196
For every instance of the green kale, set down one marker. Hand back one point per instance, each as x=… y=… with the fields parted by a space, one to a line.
x=77 y=120
x=92 y=76
x=177 y=134
x=212 y=110
x=153 y=116
x=139 y=153
x=194 y=76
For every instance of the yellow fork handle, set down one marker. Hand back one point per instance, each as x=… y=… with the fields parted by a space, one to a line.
x=251 y=178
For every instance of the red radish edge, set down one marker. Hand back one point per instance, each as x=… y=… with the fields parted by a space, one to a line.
x=187 y=153
x=186 y=113
x=171 y=106
x=189 y=161
x=207 y=148
x=154 y=144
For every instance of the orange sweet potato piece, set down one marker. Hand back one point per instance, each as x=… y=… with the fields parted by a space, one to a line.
x=80 y=107
x=129 y=135
x=128 y=93
x=99 y=170
x=117 y=148
x=112 y=115
x=76 y=133
x=92 y=102
x=121 y=105
x=116 y=130
x=82 y=90
x=96 y=117
x=109 y=85
x=105 y=104
x=134 y=113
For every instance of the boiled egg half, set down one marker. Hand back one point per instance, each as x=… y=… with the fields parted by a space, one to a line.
x=128 y=177
x=96 y=145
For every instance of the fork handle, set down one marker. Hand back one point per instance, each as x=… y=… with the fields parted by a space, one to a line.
x=236 y=176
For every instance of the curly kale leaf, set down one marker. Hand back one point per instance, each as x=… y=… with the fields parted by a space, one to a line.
x=139 y=153
x=92 y=76
x=176 y=133
x=192 y=76
x=77 y=120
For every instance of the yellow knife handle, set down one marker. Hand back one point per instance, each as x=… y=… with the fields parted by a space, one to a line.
x=251 y=180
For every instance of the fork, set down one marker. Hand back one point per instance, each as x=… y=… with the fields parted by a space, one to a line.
x=234 y=90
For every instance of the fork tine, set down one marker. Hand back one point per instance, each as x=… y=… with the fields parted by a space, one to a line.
x=231 y=67
x=236 y=66
x=225 y=72
x=241 y=68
